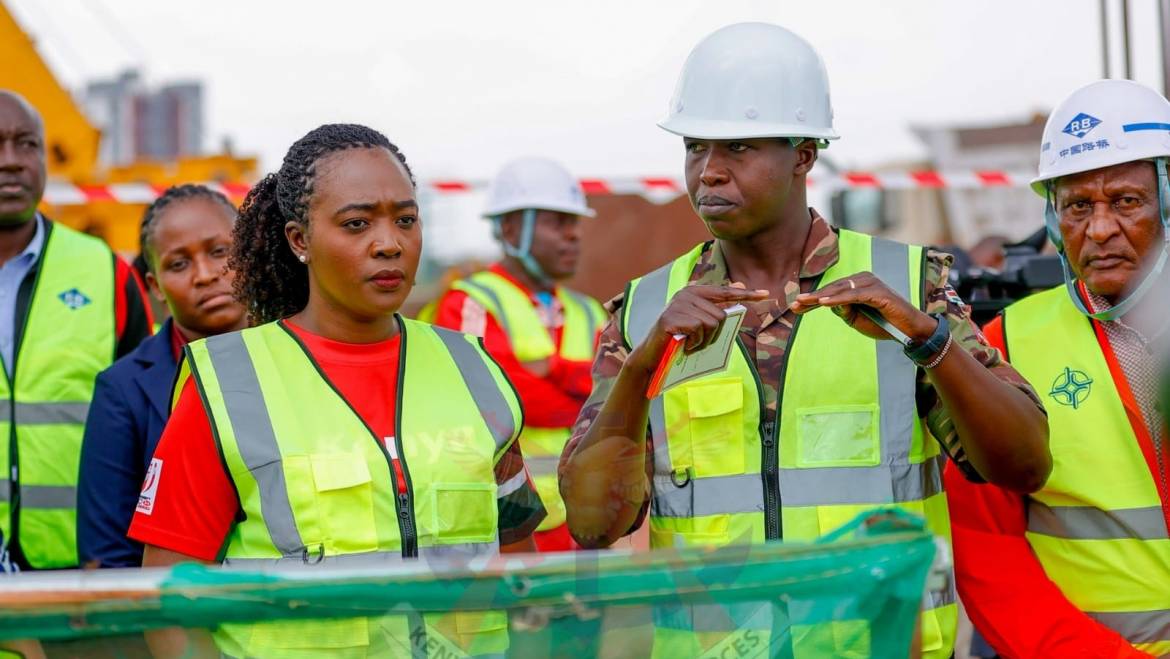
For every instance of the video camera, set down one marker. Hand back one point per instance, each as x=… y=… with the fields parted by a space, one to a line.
x=1025 y=271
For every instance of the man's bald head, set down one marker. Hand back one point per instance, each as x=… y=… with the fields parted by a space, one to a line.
x=18 y=103
x=22 y=159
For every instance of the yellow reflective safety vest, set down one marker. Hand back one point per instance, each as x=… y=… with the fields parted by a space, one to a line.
x=531 y=341
x=849 y=439
x=428 y=312
x=317 y=487
x=1098 y=526
x=69 y=336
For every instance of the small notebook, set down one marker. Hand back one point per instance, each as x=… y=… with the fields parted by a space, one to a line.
x=678 y=367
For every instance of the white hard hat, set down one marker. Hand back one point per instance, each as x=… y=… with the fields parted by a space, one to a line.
x=1106 y=123
x=537 y=184
x=1102 y=124
x=751 y=80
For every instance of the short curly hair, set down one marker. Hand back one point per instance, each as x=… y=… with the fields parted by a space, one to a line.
x=270 y=280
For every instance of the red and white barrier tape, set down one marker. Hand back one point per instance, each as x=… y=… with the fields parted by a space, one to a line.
x=67 y=194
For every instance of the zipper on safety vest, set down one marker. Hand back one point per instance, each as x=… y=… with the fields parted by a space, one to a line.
x=403 y=500
x=769 y=458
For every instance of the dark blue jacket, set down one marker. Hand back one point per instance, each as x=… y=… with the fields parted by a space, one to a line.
x=131 y=403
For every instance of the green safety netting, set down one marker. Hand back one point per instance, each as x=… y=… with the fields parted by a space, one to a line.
x=855 y=592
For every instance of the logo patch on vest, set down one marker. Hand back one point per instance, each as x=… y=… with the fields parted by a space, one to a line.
x=149 y=487
x=73 y=298
x=1071 y=388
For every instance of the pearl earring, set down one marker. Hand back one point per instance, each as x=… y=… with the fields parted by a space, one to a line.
x=302 y=258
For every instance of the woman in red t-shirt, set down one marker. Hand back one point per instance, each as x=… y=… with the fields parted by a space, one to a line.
x=328 y=248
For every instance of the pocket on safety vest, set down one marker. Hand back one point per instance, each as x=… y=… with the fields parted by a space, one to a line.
x=706 y=531
x=267 y=639
x=466 y=633
x=838 y=436
x=715 y=415
x=465 y=512
x=345 y=499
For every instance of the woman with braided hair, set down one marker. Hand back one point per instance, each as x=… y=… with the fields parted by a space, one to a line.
x=334 y=431
x=185 y=240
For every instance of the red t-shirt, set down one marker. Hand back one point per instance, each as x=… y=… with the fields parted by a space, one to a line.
x=193 y=504
x=1004 y=587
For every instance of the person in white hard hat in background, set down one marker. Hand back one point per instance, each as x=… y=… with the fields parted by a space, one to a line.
x=1082 y=567
x=819 y=415
x=540 y=332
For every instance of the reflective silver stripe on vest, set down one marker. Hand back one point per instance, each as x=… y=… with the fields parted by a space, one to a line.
x=640 y=318
x=460 y=553
x=651 y=293
x=487 y=395
x=41 y=496
x=43 y=414
x=832 y=486
x=255 y=437
x=1089 y=523
x=661 y=451
x=895 y=372
x=48 y=496
x=827 y=486
x=500 y=313
x=1137 y=626
x=542 y=465
x=712 y=495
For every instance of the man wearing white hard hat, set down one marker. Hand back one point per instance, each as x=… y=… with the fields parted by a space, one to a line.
x=1082 y=567
x=542 y=333
x=819 y=414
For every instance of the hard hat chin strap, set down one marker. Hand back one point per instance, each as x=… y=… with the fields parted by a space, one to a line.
x=523 y=252
x=1052 y=222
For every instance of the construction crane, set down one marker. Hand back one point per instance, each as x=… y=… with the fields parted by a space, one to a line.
x=72 y=146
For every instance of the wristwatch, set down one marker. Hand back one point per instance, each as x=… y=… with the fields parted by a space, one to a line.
x=920 y=352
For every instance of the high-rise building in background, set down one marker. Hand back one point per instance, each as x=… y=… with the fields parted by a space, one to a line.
x=139 y=123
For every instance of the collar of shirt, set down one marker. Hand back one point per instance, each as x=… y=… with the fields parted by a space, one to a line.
x=32 y=251
x=821 y=250
x=178 y=341
x=1142 y=335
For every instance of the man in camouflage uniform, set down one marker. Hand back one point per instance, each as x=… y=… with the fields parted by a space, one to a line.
x=843 y=416
x=768 y=325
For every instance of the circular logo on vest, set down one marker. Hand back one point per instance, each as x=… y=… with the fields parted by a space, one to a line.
x=1071 y=387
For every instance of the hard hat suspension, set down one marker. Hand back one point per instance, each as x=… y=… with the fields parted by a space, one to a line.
x=523 y=251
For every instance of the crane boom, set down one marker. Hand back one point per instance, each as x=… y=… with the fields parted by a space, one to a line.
x=71 y=141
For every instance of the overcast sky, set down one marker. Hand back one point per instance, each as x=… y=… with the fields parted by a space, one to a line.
x=463 y=86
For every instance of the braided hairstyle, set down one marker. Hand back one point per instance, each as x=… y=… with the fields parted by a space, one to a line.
x=171 y=196
x=269 y=278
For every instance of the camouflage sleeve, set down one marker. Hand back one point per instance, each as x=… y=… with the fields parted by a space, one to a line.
x=518 y=504
x=607 y=364
x=941 y=298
